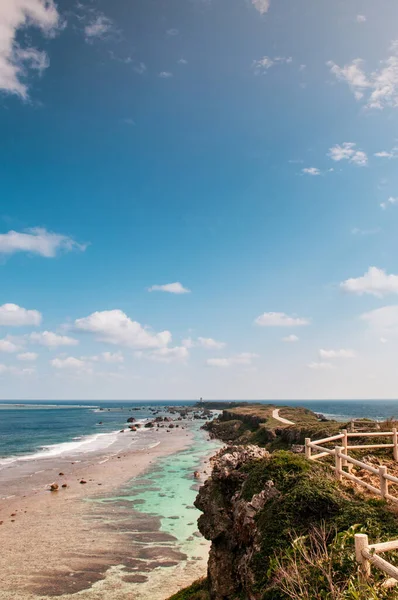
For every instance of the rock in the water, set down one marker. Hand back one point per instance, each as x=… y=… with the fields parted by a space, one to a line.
x=83 y=481
x=196 y=475
x=54 y=487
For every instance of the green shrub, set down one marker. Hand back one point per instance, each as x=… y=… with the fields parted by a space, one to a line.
x=309 y=498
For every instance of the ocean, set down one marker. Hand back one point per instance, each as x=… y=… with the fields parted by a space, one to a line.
x=34 y=429
x=163 y=495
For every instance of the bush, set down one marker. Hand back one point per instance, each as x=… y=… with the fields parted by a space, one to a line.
x=310 y=499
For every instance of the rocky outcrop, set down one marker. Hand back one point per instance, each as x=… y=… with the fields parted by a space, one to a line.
x=228 y=520
x=256 y=502
x=252 y=420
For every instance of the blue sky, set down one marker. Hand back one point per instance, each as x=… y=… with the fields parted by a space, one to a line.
x=198 y=198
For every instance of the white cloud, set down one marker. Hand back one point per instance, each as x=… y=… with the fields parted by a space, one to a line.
x=290 y=338
x=37 y=241
x=70 y=363
x=166 y=355
x=391 y=200
x=165 y=74
x=361 y=18
x=393 y=153
x=311 y=171
x=115 y=357
x=26 y=371
x=358 y=231
x=375 y=282
x=348 y=151
x=219 y=362
x=171 y=288
x=320 y=365
x=380 y=86
x=8 y=346
x=351 y=74
x=210 y=343
x=188 y=343
x=182 y=61
x=27 y=356
x=262 y=65
x=98 y=27
x=115 y=327
x=279 y=319
x=245 y=358
x=172 y=32
x=261 y=5
x=15 y=316
x=51 y=339
x=383 y=319
x=15 y=370
x=342 y=353
x=140 y=68
x=16 y=61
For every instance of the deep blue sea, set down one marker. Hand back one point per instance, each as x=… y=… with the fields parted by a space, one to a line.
x=64 y=426
x=50 y=428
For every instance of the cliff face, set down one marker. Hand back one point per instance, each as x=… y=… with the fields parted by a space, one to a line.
x=228 y=521
x=255 y=503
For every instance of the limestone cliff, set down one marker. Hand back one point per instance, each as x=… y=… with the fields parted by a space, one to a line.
x=256 y=503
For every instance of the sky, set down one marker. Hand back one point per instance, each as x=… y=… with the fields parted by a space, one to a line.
x=199 y=198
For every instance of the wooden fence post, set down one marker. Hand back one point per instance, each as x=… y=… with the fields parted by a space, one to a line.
x=352 y=425
x=362 y=543
x=383 y=481
x=307 y=448
x=338 y=463
x=345 y=445
x=395 y=442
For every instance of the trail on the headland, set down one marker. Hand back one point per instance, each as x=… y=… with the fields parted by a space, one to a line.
x=275 y=415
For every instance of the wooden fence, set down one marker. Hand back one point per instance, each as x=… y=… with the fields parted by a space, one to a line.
x=364 y=425
x=342 y=458
x=368 y=554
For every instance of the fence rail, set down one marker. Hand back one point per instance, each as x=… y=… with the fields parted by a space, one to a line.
x=367 y=555
x=342 y=458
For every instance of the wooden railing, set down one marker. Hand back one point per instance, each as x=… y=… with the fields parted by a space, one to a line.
x=367 y=555
x=364 y=425
x=342 y=458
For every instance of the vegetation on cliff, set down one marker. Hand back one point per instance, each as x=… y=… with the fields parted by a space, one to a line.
x=264 y=514
x=283 y=527
x=254 y=423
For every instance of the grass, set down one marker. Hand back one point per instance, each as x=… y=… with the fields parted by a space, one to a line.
x=310 y=497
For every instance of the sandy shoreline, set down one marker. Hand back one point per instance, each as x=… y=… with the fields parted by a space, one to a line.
x=59 y=544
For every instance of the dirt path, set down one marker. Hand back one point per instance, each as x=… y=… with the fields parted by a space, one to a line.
x=275 y=415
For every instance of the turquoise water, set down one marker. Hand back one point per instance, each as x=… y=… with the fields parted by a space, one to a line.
x=169 y=488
